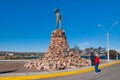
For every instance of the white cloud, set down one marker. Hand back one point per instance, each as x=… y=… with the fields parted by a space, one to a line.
x=87 y=44
x=84 y=44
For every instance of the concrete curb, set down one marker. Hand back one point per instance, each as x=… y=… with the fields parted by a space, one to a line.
x=58 y=73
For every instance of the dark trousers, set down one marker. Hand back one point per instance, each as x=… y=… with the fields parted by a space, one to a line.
x=96 y=68
x=92 y=62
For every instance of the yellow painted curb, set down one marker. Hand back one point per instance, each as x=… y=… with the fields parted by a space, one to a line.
x=40 y=76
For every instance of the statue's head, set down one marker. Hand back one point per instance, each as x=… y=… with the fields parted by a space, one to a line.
x=57 y=10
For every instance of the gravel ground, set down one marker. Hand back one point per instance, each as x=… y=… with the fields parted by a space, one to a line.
x=14 y=67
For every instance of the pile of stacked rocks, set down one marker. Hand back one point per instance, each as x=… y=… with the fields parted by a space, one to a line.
x=58 y=44
x=59 y=56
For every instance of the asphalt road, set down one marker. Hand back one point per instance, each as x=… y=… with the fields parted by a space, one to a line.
x=108 y=73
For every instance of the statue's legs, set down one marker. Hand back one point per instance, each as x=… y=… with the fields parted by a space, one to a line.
x=60 y=24
x=56 y=24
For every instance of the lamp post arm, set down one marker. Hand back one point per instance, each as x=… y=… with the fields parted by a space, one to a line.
x=113 y=26
x=102 y=28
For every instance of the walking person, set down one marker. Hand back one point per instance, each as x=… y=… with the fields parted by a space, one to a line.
x=96 y=63
x=92 y=57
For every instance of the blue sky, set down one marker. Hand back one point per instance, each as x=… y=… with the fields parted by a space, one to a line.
x=26 y=25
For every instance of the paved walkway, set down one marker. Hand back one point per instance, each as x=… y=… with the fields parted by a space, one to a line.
x=109 y=73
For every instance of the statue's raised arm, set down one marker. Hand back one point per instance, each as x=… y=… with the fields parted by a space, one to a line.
x=58 y=18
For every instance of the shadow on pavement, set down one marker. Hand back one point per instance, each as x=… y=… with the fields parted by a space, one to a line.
x=8 y=71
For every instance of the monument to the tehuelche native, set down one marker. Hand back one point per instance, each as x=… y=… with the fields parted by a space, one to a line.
x=59 y=56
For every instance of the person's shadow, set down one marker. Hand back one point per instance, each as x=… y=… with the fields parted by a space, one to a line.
x=8 y=71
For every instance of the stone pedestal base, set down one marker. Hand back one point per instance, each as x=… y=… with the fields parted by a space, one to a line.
x=59 y=56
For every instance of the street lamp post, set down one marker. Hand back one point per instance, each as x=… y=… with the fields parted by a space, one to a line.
x=108 y=37
x=108 y=46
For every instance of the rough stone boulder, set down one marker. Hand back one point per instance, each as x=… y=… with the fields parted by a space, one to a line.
x=59 y=56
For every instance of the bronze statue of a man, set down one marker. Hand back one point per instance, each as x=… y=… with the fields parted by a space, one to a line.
x=58 y=18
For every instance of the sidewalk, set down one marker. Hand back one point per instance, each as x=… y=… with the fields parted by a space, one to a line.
x=48 y=74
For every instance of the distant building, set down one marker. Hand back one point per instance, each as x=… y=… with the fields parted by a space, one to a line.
x=10 y=54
